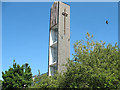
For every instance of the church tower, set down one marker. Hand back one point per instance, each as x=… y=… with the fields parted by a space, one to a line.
x=59 y=37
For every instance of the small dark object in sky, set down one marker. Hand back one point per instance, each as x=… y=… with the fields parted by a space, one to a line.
x=106 y=21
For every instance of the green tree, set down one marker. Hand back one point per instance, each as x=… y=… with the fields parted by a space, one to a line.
x=0 y=83
x=17 y=76
x=45 y=81
x=94 y=66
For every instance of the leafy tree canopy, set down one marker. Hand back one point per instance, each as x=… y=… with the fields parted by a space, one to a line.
x=17 y=76
x=0 y=83
x=94 y=65
x=45 y=81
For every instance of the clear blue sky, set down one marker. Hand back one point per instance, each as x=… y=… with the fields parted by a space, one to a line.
x=25 y=30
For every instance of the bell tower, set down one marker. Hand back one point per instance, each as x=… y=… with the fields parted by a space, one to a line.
x=59 y=37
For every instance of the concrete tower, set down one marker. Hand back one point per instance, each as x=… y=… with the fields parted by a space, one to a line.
x=59 y=37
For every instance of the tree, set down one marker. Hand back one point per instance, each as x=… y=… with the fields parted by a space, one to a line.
x=45 y=81
x=94 y=66
x=38 y=72
x=41 y=81
x=17 y=76
x=0 y=83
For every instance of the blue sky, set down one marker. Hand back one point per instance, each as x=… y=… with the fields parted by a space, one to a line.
x=25 y=29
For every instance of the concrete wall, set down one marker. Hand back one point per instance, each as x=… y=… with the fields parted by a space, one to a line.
x=63 y=39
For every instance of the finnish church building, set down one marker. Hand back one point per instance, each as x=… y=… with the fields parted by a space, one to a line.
x=59 y=37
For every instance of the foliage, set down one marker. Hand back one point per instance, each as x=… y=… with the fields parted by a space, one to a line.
x=44 y=81
x=0 y=83
x=17 y=76
x=93 y=66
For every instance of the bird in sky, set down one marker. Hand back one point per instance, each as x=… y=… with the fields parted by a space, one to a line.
x=106 y=21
